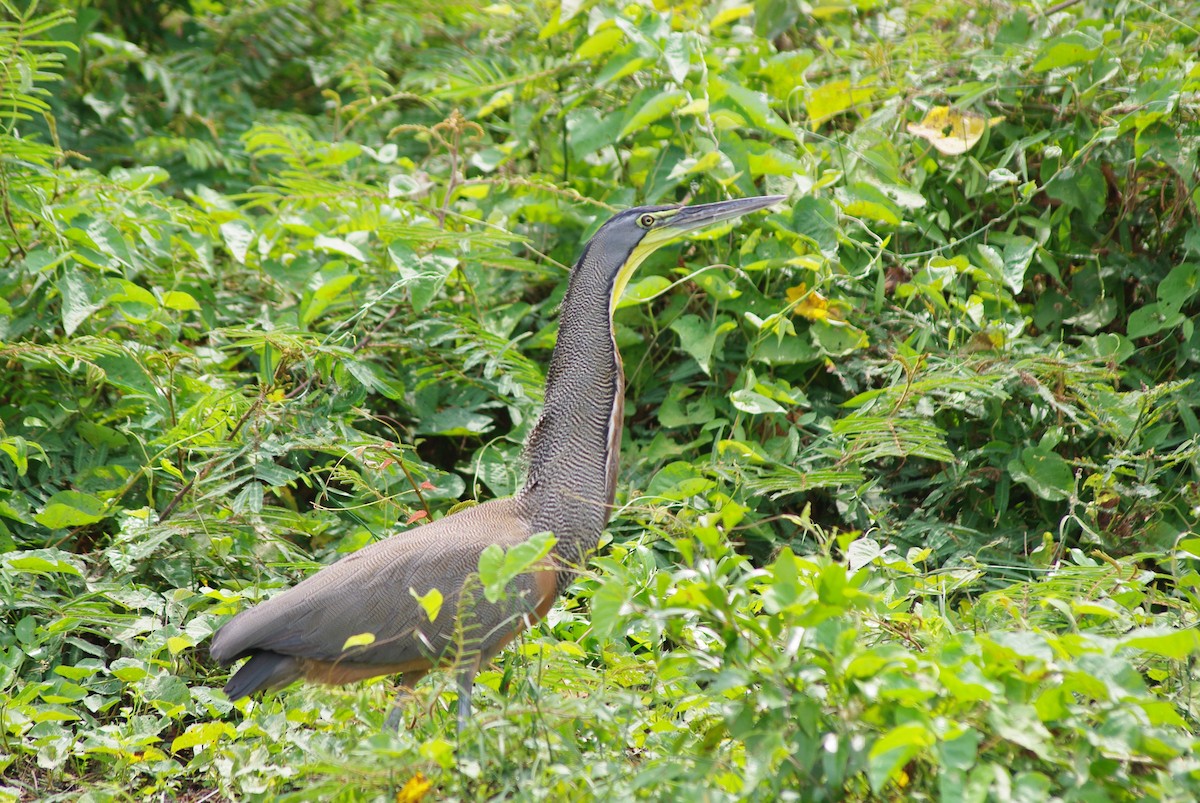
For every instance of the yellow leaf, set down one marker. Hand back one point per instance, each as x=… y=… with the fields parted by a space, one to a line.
x=599 y=43
x=414 y=789
x=430 y=602
x=809 y=303
x=833 y=98
x=179 y=300
x=872 y=210
x=726 y=120
x=169 y=467
x=830 y=10
x=359 y=640
x=177 y=644
x=731 y=14
x=501 y=100
x=202 y=735
x=951 y=131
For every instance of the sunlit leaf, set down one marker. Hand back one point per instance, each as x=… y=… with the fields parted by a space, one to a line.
x=835 y=97
x=654 y=109
x=951 y=131
x=499 y=566
x=202 y=734
x=430 y=602
x=70 y=509
x=358 y=640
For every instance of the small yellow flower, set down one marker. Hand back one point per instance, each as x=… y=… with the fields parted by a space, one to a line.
x=414 y=789
x=812 y=305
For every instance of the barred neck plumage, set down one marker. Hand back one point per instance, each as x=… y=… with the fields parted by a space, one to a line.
x=572 y=451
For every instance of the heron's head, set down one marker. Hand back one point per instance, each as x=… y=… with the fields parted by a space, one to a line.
x=631 y=236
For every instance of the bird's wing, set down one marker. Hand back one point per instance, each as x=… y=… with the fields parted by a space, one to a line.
x=372 y=591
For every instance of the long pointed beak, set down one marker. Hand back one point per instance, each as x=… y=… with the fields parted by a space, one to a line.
x=689 y=218
x=685 y=219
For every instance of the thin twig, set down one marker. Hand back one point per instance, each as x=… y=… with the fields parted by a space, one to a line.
x=1057 y=7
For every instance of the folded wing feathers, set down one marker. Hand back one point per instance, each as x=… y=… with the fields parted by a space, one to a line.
x=368 y=592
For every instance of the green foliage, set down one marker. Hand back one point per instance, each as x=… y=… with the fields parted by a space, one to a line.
x=499 y=566
x=911 y=472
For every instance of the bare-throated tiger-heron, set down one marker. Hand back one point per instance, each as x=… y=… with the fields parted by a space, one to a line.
x=571 y=477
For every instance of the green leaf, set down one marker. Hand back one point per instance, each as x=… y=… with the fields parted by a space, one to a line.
x=654 y=109
x=139 y=178
x=644 y=290
x=959 y=751
x=588 y=131
x=237 y=237
x=1152 y=319
x=1174 y=644
x=606 y=604
x=678 y=481
x=179 y=300
x=374 y=377
x=835 y=97
x=677 y=53
x=1044 y=472
x=339 y=246
x=1019 y=724
x=17 y=449
x=70 y=509
x=328 y=293
x=599 y=43
x=1066 y=51
x=82 y=296
x=499 y=566
x=423 y=276
x=41 y=561
x=202 y=734
x=862 y=551
x=1081 y=187
x=249 y=499
x=129 y=670
x=816 y=219
x=1018 y=253
x=177 y=644
x=1180 y=285
x=748 y=401
x=788 y=350
x=440 y=752
x=109 y=241
x=755 y=105
x=893 y=750
x=837 y=341
x=773 y=17
x=455 y=422
x=865 y=200
x=784 y=588
x=700 y=338
x=716 y=285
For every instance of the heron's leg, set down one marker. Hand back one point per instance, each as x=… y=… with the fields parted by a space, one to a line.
x=466 y=684
x=392 y=723
x=468 y=667
x=408 y=681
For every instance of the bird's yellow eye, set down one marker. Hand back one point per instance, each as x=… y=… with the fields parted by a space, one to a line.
x=646 y=221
